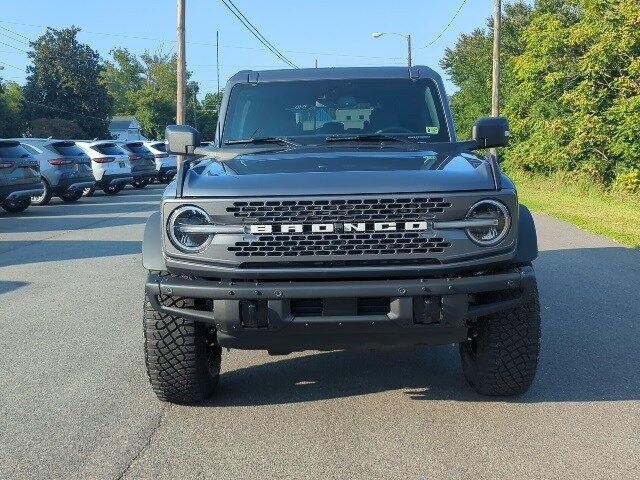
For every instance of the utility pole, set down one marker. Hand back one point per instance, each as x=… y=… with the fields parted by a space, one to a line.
x=181 y=74
x=495 y=80
x=218 y=60
x=409 y=50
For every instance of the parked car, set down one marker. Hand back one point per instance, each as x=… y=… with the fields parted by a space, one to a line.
x=166 y=164
x=143 y=164
x=110 y=165
x=19 y=177
x=64 y=167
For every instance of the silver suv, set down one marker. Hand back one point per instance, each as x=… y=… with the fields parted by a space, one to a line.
x=166 y=164
x=19 y=177
x=64 y=167
x=143 y=164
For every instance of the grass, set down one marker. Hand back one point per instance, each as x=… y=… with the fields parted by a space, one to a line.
x=589 y=207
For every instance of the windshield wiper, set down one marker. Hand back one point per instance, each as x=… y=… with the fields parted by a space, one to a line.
x=369 y=137
x=258 y=140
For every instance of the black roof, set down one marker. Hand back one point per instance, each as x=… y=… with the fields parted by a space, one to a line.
x=334 y=73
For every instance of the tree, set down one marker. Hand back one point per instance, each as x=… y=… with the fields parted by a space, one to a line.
x=578 y=100
x=64 y=81
x=208 y=115
x=56 y=128
x=12 y=123
x=468 y=65
x=123 y=79
x=146 y=87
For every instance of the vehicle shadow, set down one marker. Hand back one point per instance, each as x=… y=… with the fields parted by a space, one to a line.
x=9 y=286
x=99 y=204
x=590 y=306
x=52 y=224
x=17 y=253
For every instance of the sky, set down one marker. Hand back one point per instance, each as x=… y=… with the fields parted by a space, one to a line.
x=333 y=32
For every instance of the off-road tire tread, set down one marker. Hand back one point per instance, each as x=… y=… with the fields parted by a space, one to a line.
x=175 y=355
x=508 y=351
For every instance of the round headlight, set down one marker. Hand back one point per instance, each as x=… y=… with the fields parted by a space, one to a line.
x=184 y=217
x=496 y=224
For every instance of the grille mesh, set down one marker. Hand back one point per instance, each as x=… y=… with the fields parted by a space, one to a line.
x=338 y=210
x=299 y=245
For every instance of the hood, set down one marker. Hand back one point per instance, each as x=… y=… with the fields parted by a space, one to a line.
x=331 y=171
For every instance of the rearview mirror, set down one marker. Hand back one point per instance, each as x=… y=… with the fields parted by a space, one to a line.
x=181 y=139
x=489 y=132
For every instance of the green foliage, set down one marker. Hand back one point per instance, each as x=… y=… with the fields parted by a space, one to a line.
x=627 y=181
x=11 y=121
x=208 y=115
x=469 y=65
x=63 y=82
x=56 y=128
x=146 y=87
x=122 y=79
x=571 y=87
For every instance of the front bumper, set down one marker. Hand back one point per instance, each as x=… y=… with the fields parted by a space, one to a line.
x=265 y=315
x=20 y=192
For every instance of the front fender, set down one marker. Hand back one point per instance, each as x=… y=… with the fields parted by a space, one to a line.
x=152 y=258
x=527 y=248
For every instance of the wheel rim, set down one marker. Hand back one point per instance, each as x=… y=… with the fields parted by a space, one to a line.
x=40 y=198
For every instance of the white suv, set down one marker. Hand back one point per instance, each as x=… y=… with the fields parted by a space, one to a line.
x=110 y=165
x=166 y=164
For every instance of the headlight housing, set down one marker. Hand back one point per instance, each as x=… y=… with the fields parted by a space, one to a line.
x=188 y=216
x=498 y=222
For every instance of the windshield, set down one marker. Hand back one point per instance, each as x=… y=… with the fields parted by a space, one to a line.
x=312 y=111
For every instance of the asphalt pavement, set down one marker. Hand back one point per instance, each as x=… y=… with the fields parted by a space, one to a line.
x=75 y=402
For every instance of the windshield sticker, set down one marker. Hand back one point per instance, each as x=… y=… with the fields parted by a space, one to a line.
x=432 y=130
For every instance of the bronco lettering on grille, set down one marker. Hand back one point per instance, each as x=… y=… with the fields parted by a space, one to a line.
x=340 y=227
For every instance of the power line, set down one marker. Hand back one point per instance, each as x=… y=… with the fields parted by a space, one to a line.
x=447 y=26
x=62 y=110
x=205 y=44
x=254 y=31
x=8 y=45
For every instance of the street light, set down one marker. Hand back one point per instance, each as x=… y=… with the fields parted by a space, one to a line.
x=408 y=37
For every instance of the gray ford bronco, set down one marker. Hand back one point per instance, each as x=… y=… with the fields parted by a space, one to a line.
x=337 y=210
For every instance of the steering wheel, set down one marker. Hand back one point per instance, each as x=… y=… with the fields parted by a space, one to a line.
x=394 y=130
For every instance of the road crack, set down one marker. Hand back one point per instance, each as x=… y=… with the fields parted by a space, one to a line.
x=156 y=426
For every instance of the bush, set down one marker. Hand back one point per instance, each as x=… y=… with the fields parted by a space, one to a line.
x=627 y=181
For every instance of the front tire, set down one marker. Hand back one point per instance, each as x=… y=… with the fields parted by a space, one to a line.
x=181 y=356
x=502 y=356
x=16 y=206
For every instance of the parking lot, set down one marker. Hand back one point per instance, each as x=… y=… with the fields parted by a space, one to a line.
x=76 y=402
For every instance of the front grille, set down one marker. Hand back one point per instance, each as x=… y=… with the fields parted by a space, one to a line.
x=378 y=243
x=338 y=210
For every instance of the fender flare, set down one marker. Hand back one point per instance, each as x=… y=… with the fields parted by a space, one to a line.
x=152 y=258
x=527 y=248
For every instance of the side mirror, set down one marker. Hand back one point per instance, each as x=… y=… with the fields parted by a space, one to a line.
x=181 y=139
x=489 y=132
